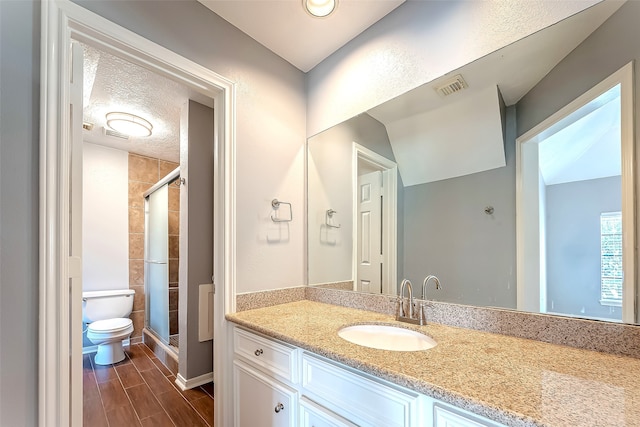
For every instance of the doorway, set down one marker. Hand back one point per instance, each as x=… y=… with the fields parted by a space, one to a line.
x=60 y=310
x=576 y=207
x=375 y=202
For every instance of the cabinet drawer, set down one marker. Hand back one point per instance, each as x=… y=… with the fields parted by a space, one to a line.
x=357 y=397
x=274 y=358
x=314 y=415
x=260 y=400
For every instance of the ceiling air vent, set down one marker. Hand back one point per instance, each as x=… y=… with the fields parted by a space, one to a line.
x=455 y=84
x=114 y=134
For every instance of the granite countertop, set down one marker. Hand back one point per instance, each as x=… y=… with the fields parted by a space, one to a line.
x=514 y=381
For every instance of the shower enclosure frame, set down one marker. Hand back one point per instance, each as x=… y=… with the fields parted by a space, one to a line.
x=150 y=262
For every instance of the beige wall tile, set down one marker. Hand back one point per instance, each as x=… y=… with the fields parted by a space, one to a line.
x=173 y=271
x=136 y=220
x=174 y=246
x=138 y=298
x=144 y=169
x=136 y=191
x=166 y=167
x=136 y=246
x=150 y=342
x=173 y=299
x=136 y=272
x=174 y=198
x=173 y=322
x=174 y=222
x=138 y=323
x=170 y=362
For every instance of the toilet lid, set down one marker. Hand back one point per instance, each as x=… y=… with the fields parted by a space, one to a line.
x=110 y=325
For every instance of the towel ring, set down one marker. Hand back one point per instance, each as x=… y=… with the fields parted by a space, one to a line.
x=275 y=204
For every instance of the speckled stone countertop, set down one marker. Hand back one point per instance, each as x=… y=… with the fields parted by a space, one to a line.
x=514 y=381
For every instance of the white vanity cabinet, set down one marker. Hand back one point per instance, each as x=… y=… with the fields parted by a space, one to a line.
x=314 y=415
x=276 y=384
x=356 y=396
x=444 y=415
x=265 y=373
x=262 y=401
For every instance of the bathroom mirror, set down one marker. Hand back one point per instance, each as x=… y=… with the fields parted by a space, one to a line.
x=450 y=209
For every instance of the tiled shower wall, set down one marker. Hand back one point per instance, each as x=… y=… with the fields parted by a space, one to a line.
x=144 y=172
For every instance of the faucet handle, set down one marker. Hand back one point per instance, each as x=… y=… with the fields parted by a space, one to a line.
x=422 y=313
x=400 y=309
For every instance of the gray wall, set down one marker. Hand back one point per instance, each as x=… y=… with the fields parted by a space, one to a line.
x=196 y=263
x=608 y=49
x=573 y=245
x=270 y=107
x=447 y=233
x=270 y=128
x=19 y=115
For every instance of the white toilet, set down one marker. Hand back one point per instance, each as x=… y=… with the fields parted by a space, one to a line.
x=107 y=313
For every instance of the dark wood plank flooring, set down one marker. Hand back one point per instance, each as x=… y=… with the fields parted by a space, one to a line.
x=141 y=391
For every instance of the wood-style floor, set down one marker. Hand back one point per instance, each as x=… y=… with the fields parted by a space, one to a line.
x=140 y=391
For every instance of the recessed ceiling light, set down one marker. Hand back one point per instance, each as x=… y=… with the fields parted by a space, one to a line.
x=129 y=124
x=320 y=8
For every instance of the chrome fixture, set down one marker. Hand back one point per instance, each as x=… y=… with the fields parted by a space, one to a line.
x=422 y=312
x=328 y=219
x=275 y=204
x=402 y=315
x=426 y=282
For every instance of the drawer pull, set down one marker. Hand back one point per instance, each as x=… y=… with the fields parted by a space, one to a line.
x=258 y=352
x=279 y=407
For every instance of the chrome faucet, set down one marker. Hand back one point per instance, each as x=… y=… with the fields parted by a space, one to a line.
x=422 y=315
x=426 y=282
x=402 y=313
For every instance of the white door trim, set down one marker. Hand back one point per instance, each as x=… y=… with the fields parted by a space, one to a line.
x=61 y=20
x=389 y=210
x=524 y=217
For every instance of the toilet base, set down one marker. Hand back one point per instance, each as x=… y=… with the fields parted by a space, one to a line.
x=109 y=353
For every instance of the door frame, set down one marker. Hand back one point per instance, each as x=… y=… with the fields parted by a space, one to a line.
x=529 y=244
x=389 y=210
x=60 y=21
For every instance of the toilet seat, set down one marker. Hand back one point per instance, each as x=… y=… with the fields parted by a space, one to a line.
x=110 y=326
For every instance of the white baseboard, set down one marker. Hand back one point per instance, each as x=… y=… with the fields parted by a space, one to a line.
x=193 y=382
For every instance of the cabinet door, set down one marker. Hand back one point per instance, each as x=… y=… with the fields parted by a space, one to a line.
x=260 y=401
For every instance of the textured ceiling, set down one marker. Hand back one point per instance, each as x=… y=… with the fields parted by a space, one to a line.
x=112 y=84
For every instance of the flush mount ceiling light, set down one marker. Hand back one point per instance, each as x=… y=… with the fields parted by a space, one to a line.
x=320 y=8
x=129 y=124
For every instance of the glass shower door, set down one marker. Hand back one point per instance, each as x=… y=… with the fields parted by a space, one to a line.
x=156 y=262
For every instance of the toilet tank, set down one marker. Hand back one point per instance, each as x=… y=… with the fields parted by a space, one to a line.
x=101 y=305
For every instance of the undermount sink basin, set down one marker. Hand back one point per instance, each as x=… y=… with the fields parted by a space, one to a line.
x=386 y=337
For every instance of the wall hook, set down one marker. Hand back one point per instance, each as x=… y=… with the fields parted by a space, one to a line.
x=488 y=210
